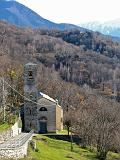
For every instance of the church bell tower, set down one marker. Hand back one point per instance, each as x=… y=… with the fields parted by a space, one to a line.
x=31 y=94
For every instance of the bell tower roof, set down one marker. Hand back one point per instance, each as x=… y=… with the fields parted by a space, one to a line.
x=30 y=64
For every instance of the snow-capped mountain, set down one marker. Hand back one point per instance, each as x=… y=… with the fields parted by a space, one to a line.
x=108 y=28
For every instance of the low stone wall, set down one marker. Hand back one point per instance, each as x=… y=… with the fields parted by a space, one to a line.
x=12 y=132
x=76 y=139
x=19 y=152
x=16 y=151
x=4 y=136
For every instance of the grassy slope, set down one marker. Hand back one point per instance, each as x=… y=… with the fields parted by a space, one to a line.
x=50 y=149
x=4 y=126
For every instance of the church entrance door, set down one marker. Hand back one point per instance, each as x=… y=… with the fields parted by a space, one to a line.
x=43 y=125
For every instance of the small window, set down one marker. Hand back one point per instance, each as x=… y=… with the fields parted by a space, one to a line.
x=61 y=120
x=30 y=74
x=30 y=111
x=30 y=124
x=43 y=109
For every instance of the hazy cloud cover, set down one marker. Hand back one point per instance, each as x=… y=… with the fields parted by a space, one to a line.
x=75 y=11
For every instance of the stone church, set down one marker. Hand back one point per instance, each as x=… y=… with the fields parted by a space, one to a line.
x=41 y=113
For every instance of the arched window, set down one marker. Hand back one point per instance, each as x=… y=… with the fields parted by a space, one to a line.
x=43 y=118
x=43 y=109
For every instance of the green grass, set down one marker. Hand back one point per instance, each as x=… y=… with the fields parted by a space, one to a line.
x=64 y=132
x=112 y=155
x=4 y=127
x=51 y=149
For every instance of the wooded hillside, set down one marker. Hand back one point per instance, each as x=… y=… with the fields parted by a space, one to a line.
x=81 y=57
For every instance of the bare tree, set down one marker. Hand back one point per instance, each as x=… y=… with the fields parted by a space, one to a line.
x=107 y=125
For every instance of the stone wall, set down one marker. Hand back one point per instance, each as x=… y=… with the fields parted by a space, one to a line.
x=19 y=152
x=76 y=139
x=12 y=132
x=4 y=136
x=59 y=118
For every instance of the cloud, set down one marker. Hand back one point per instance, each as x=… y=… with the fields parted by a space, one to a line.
x=75 y=11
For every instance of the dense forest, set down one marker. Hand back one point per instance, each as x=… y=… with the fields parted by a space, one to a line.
x=80 y=69
x=81 y=57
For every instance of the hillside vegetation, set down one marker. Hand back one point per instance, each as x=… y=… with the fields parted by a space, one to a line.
x=4 y=127
x=80 y=57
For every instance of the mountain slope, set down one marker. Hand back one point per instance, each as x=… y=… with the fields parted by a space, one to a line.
x=108 y=28
x=80 y=57
x=18 y=14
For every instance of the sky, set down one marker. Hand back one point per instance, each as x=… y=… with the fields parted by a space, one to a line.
x=75 y=11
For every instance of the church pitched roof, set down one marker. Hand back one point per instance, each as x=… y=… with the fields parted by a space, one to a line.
x=46 y=97
x=46 y=100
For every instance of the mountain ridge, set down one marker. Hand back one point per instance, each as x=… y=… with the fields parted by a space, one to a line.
x=20 y=15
